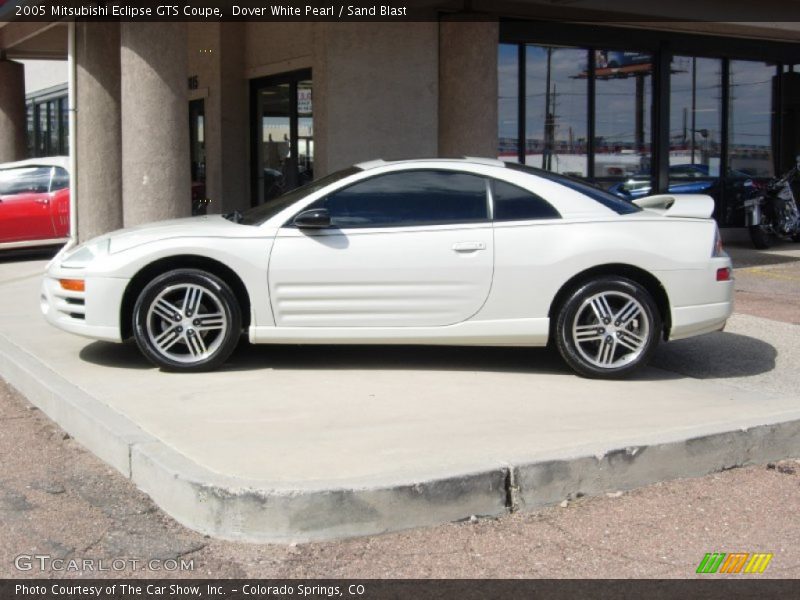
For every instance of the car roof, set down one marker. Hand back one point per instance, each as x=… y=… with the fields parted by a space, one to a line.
x=466 y=160
x=45 y=161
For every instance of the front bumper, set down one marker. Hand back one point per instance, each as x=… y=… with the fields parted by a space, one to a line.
x=93 y=313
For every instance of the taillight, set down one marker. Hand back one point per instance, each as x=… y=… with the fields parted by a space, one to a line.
x=717 y=251
x=724 y=274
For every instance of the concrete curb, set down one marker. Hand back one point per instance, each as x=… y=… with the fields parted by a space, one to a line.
x=260 y=511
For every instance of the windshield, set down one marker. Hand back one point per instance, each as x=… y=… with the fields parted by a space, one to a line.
x=260 y=214
x=618 y=205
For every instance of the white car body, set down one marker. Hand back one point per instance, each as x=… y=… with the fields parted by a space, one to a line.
x=487 y=283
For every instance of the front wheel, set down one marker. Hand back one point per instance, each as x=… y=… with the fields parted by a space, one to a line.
x=187 y=320
x=761 y=238
x=608 y=328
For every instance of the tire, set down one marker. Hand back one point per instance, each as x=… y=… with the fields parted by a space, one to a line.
x=187 y=320
x=796 y=237
x=761 y=239
x=608 y=328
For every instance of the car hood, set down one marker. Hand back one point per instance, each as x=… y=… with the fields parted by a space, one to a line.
x=190 y=227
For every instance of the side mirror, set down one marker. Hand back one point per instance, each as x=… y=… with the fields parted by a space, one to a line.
x=316 y=218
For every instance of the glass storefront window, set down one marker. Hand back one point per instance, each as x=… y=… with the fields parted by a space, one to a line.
x=623 y=102
x=556 y=109
x=695 y=125
x=726 y=131
x=41 y=136
x=508 y=102
x=54 y=116
x=750 y=119
x=64 y=134
x=31 y=130
x=48 y=126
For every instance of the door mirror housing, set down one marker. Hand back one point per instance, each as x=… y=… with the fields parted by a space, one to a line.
x=316 y=218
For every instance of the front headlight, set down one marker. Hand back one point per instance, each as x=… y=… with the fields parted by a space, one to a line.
x=81 y=256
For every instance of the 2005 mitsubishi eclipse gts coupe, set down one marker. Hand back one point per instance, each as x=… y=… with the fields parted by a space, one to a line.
x=435 y=251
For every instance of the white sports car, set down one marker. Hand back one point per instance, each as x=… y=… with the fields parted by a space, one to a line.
x=453 y=252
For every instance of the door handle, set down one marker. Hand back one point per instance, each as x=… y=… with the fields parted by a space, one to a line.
x=44 y=201
x=469 y=246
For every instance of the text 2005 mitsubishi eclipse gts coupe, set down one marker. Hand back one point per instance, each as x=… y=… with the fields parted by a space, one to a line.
x=458 y=252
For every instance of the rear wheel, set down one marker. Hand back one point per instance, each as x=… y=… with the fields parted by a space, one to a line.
x=187 y=320
x=608 y=328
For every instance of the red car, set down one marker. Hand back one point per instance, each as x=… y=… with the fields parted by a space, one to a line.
x=34 y=202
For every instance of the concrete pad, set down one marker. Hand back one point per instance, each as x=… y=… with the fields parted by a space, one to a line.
x=292 y=443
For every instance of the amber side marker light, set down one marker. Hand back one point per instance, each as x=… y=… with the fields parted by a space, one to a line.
x=73 y=285
x=724 y=274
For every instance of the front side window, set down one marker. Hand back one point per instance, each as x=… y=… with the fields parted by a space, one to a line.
x=263 y=212
x=25 y=180
x=512 y=203
x=409 y=198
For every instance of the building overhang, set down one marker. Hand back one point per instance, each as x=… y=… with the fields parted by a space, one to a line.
x=33 y=40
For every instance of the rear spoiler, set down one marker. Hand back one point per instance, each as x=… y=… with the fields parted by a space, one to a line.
x=695 y=206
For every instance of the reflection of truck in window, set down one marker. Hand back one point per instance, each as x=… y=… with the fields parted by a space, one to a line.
x=618 y=63
x=615 y=59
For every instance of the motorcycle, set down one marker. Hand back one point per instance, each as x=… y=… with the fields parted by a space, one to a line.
x=774 y=212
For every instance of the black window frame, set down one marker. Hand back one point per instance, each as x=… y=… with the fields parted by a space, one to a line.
x=487 y=219
x=663 y=45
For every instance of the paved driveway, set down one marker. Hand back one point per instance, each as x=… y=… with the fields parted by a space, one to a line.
x=674 y=523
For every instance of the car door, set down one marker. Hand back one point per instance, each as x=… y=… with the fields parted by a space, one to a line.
x=25 y=204
x=59 y=202
x=405 y=249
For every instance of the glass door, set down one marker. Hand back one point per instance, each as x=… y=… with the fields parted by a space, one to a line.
x=197 y=153
x=282 y=134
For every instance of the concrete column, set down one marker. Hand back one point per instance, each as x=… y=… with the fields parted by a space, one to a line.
x=216 y=59
x=468 y=88
x=155 y=122
x=375 y=92
x=13 y=131
x=98 y=145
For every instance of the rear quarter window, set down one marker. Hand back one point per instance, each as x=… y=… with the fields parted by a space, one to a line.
x=512 y=203
x=607 y=199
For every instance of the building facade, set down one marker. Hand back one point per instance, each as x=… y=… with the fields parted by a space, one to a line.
x=248 y=110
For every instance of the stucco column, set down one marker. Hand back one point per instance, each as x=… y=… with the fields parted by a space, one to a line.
x=13 y=144
x=375 y=92
x=155 y=122
x=468 y=88
x=99 y=149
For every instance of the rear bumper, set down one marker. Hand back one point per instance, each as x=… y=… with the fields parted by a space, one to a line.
x=699 y=303
x=94 y=313
x=688 y=321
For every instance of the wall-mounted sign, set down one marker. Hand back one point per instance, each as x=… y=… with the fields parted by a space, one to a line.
x=303 y=101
